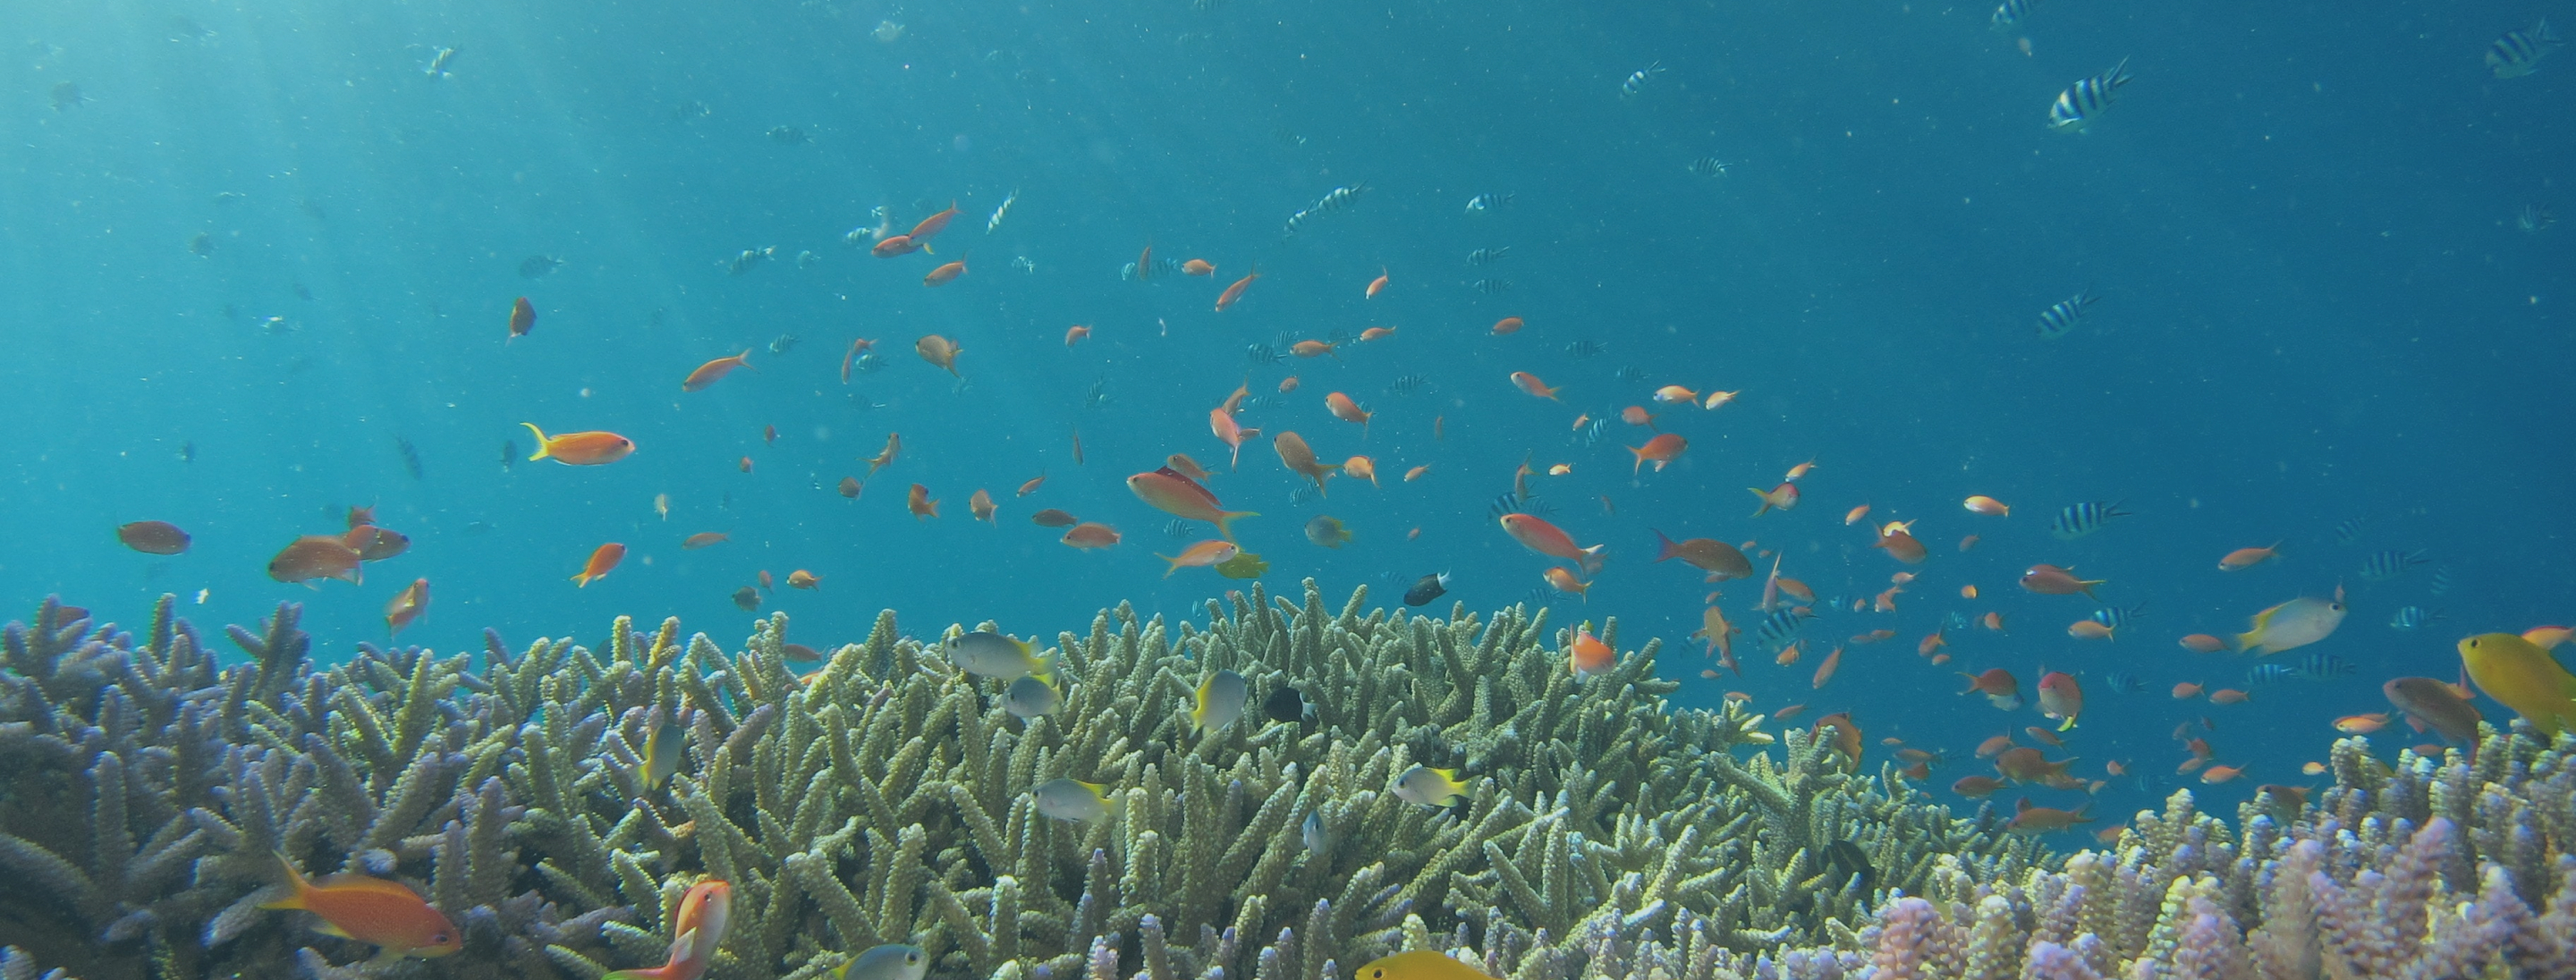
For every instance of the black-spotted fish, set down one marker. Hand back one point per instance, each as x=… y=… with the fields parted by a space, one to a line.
x=1425 y=786
x=1219 y=702
x=2076 y=108
x=1072 y=799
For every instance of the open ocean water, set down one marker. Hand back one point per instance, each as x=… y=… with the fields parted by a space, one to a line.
x=260 y=263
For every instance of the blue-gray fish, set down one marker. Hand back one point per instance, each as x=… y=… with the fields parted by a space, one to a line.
x=2412 y=617
x=999 y=657
x=2076 y=108
x=1029 y=697
x=1220 y=701
x=2518 y=53
x=2384 y=565
x=1487 y=202
x=1072 y=799
x=2009 y=15
x=892 y=961
x=2061 y=317
x=1318 y=838
x=2077 y=520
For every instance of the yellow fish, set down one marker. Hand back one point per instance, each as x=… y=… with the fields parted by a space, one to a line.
x=1244 y=564
x=2292 y=624
x=1421 y=964
x=662 y=754
x=1425 y=786
x=2520 y=674
x=1220 y=701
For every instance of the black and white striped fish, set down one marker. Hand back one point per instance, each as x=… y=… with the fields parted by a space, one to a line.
x=2117 y=616
x=1511 y=503
x=1709 y=167
x=2518 y=53
x=1490 y=287
x=2532 y=218
x=2412 y=617
x=1632 y=374
x=1263 y=354
x=2055 y=321
x=2441 y=579
x=1407 y=384
x=1581 y=349
x=2077 y=520
x=1589 y=433
x=1779 y=628
x=1178 y=529
x=2384 y=565
x=2325 y=667
x=1488 y=202
x=2260 y=674
x=1489 y=256
x=2348 y=530
x=2077 y=107
x=1539 y=596
x=2010 y=14
x=1636 y=80
x=2124 y=683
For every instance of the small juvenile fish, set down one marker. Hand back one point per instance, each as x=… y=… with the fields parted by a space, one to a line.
x=1029 y=697
x=1072 y=799
x=1424 y=786
x=2076 y=107
x=892 y=961
x=1218 y=701
x=999 y=213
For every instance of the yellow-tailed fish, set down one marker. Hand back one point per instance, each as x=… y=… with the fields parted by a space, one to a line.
x=1220 y=701
x=1421 y=964
x=892 y=961
x=2292 y=624
x=662 y=753
x=2522 y=676
x=999 y=657
x=1072 y=799
x=1425 y=786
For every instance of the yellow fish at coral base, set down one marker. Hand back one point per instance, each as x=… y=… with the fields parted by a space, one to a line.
x=2520 y=674
x=1421 y=964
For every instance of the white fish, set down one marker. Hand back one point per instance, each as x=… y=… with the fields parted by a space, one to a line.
x=2292 y=624
x=1001 y=212
x=1029 y=697
x=892 y=961
x=1220 y=701
x=1072 y=799
x=1425 y=786
x=2076 y=107
x=1000 y=657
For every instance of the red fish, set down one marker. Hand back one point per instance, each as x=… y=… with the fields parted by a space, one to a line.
x=887 y=248
x=1587 y=655
x=1181 y=496
x=2000 y=687
x=1538 y=535
x=1221 y=422
x=1897 y=538
x=2052 y=580
x=317 y=556
x=2060 y=697
x=698 y=927
x=370 y=910
x=580 y=448
x=1507 y=325
x=407 y=605
x=714 y=371
x=601 y=560
x=943 y=274
x=1660 y=450
x=1235 y=292
x=930 y=227
x=523 y=318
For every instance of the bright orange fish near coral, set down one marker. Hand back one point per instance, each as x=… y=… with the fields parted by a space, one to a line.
x=370 y=910
x=602 y=559
x=1234 y=293
x=317 y=556
x=697 y=927
x=1536 y=534
x=1180 y=496
x=713 y=371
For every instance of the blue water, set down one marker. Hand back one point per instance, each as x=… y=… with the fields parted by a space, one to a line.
x=2315 y=308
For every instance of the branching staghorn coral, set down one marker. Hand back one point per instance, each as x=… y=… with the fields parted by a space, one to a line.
x=886 y=798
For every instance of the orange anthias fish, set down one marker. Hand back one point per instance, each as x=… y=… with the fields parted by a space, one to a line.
x=1201 y=555
x=1052 y=517
x=1798 y=471
x=2052 y=580
x=2203 y=643
x=2028 y=819
x=2000 y=687
x=1032 y=486
x=1376 y=333
x=940 y=351
x=1145 y=263
x=1855 y=515
x=1089 y=536
x=1637 y=415
x=703 y=539
x=1720 y=635
x=1316 y=348
x=1235 y=292
x=1075 y=333
x=1781 y=498
x=1564 y=581
x=857 y=347
x=893 y=245
x=1676 y=393
x=601 y=560
x=2361 y=724
x=1660 y=450
x=981 y=506
x=315 y=556
x=2244 y=558
x=1530 y=383
x=714 y=371
x=1221 y=422
x=919 y=503
x=1897 y=537
x=1825 y=672
x=1376 y=284
x=1538 y=535
x=1846 y=737
x=1300 y=458
x=1719 y=559
x=1180 y=496
x=2060 y=697
x=580 y=448
x=930 y=227
x=1182 y=464
x=885 y=457
x=370 y=910
x=523 y=318
x=1587 y=655
x=802 y=579
x=1345 y=409
x=1416 y=472
x=942 y=275
x=1360 y=468
x=1507 y=325
x=406 y=606
x=698 y=927
x=1989 y=506
x=1197 y=267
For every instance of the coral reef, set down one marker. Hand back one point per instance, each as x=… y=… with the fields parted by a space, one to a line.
x=885 y=797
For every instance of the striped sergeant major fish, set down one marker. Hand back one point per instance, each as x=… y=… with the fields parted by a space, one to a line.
x=2441 y=579
x=1709 y=167
x=2384 y=565
x=2413 y=617
x=1779 y=628
x=1636 y=80
x=1487 y=202
x=2009 y=15
x=1489 y=256
x=2325 y=667
x=2075 y=108
x=2077 y=520
x=2271 y=673
x=2117 y=616
x=2124 y=683
x=2348 y=530
x=2518 y=53
x=2058 y=319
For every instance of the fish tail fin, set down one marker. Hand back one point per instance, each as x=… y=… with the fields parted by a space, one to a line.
x=294 y=881
x=2068 y=724
x=1756 y=491
x=744 y=358
x=543 y=450
x=1665 y=549
x=1590 y=561
x=1225 y=521
x=1170 y=565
